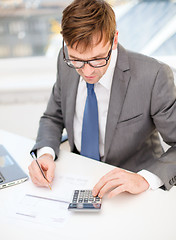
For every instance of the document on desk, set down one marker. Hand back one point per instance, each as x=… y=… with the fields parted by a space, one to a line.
x=42 y=210
x=47 y=207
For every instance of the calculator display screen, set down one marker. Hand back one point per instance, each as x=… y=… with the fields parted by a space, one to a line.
x=80 y=206
x=92 y=206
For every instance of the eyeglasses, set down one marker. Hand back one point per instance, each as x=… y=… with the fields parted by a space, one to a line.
x=95 y=63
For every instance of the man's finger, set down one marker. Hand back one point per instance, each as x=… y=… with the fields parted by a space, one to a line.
x=116 y=191
x=37 y=180
x=109 y=186
x=112 y=175
x=36 y=175
x=50 y=172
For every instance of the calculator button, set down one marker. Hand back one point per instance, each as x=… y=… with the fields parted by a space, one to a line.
x=84 y=196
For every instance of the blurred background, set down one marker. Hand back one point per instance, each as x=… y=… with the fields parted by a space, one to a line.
x=30 y=41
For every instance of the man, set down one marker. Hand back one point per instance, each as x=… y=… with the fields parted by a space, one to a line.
x=135 y=97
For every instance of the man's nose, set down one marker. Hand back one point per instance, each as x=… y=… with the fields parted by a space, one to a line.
x=87 y=69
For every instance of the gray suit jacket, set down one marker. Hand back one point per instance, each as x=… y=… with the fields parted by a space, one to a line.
x=142 y=102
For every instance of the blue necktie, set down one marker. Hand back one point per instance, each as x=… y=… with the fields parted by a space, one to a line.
x=90 y=129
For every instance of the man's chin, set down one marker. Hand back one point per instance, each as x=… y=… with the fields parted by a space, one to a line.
x=91 y=80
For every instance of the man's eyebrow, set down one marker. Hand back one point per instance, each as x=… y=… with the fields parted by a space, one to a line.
x=95 y=57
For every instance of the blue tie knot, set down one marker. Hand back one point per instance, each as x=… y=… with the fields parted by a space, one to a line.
x=90 y=88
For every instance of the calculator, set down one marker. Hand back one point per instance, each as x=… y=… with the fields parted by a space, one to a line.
x=83 y=200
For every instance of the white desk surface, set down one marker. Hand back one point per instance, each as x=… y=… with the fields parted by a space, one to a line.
x=150 y=215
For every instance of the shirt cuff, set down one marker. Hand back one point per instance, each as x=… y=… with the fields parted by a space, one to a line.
x=154 y=181
x=45 y=150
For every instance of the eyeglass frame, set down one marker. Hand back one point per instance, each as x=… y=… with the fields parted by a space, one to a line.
x=88 y=61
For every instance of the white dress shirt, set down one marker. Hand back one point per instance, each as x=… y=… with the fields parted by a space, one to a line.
x=102 y=90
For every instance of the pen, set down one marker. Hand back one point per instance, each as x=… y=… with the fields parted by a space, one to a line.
x=34 y=157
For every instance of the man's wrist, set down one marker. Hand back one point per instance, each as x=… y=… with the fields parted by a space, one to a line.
x=46 y=150
x=154 y=181
x=47 y=155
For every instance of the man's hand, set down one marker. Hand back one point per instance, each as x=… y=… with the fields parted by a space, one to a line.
x=48 y=166
x=118 y=181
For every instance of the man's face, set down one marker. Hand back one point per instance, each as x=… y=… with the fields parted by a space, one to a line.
x=90 y=74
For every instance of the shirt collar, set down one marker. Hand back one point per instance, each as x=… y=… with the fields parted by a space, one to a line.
x=106 y=79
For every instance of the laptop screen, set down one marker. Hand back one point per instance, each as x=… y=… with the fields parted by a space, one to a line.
x=5 y=161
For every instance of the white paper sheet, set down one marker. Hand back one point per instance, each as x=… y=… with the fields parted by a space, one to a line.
x=43 y=210
x=49 y=208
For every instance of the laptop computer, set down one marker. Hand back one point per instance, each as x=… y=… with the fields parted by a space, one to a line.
x=10 y=171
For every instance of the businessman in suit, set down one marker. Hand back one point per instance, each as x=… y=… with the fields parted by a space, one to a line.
x=135 y=98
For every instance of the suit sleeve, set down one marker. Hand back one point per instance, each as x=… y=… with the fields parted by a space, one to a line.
x=163 y=112
x=51 y=123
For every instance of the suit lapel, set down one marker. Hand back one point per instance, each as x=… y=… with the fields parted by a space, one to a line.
x=73 y=80
x=119 y=88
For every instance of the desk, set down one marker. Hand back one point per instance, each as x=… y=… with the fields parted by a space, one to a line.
x=150 y=215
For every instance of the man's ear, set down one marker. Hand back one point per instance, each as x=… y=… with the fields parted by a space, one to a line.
x=115 y=40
